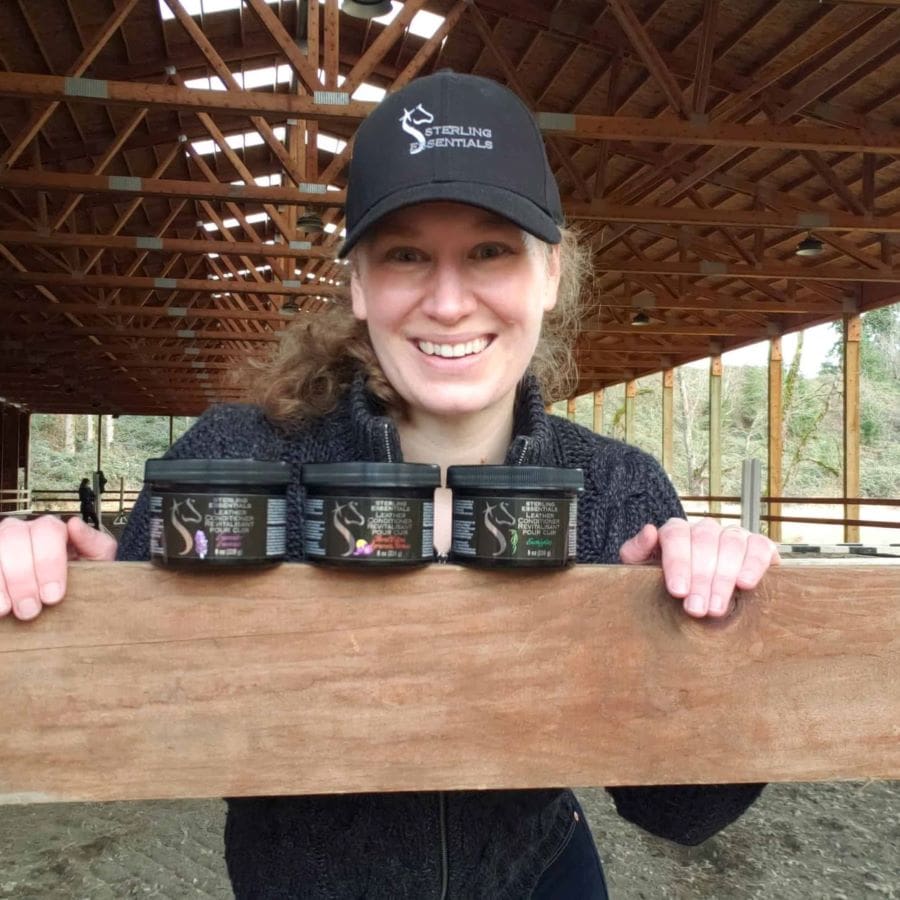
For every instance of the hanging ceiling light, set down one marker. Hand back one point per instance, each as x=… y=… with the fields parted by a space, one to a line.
x=366 y=9
x=310 y=223
x=810 y=246
x=640 y=318
x=289 y=307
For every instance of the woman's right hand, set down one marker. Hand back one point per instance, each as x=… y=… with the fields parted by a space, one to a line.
x=34 y=558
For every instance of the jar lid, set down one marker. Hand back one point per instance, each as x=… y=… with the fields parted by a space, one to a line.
x=217 y=471
x=371 y=474
x=518 y=478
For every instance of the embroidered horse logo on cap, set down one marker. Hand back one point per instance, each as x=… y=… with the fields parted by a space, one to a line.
x=412 y=117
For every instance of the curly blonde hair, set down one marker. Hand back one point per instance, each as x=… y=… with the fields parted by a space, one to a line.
x=318 y=356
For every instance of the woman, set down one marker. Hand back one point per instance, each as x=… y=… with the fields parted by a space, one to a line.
x=464 y=295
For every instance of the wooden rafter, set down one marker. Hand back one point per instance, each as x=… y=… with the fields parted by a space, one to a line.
x=692 y=180
x=40 y=117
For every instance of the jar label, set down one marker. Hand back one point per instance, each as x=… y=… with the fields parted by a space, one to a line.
x=357 y=529
x=209 y=527
x=508 y=528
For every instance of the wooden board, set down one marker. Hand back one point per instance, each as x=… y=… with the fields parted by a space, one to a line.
x=145 y=683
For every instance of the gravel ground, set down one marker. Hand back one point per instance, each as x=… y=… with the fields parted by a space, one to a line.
x=838 y=841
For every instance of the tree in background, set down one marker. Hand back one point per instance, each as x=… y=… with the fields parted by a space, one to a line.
x=64 y=449
x=879 y=414
x=812 y=418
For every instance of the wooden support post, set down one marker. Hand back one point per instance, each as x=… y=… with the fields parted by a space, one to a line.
x=776 y=435
x=630 y=395
x=598 y=411
x=290 y=681
x=570 y=409
x=99 y=444
x=9 y=447
x=25 y=454
x=715 y=432
x=852 y=329
x=331 y=58
x=668 y=421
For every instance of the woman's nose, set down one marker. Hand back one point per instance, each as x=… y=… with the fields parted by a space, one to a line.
x=448 y=298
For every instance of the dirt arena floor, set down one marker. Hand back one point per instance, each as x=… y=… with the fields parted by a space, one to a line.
x=799 y=842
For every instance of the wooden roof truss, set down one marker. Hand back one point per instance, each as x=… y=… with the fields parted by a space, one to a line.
x=156 y=156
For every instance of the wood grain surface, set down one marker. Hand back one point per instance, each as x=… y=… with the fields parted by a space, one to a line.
x=149 y=684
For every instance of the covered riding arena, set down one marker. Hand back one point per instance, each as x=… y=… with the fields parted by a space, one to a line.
x=172 y=178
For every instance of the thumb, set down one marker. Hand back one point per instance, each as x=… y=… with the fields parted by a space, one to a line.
x=641 y=547
x=88 y=543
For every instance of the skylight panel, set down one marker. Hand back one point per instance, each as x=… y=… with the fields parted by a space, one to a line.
x=205 y=84
x=368 y=93
x=424 y=24
x=253 y=218
x=204 y=7
x=267 y=76
x=263 y=180
x=330 y=144
x=205 y=148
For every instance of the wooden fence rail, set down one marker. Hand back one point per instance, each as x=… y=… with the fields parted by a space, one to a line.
x=146 y=683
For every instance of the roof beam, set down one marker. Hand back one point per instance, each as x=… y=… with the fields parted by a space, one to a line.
x=234 y=90
x=142 y=282
x=712 y=301
x=210 y=334
x=646 y=50
x=118 y=142
x=298 y=60
x=41 y=117
x=823 y=220
x=512 y=76
x=379 y=48
x=12 y=307
x=31 y=179
x=705 y=54
x=721 y=134
x=295 y=249
x=816 y=87
x=124 y=217
x=567 y=125
x=718 y=269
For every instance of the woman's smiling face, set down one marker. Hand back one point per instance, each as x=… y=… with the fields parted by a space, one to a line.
x=454 y=297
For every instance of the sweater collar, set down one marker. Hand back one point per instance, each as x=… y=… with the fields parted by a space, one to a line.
x=378 y=440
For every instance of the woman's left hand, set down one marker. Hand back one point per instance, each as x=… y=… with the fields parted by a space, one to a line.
x=703 y=562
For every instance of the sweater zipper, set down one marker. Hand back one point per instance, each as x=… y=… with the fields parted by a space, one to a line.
x=444 y=853
x=524 y=452
x=386 y=435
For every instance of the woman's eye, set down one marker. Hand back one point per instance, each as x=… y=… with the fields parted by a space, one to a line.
x=404 y=254
x=490 y=251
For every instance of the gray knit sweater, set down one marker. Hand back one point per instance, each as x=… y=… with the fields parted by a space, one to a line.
x=482 y=844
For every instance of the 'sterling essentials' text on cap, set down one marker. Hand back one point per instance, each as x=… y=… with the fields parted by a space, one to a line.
x=455 y=137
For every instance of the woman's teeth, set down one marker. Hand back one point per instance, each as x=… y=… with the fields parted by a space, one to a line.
x=451 y=351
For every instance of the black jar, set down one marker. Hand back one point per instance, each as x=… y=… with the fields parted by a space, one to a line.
x=362 y=514
x=514 y=516
x=216 y=512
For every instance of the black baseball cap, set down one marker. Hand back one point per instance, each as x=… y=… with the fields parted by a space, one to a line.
x=455 y=137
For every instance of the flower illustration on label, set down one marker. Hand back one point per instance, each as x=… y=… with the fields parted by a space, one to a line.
x=345 y=515
x=201 y=544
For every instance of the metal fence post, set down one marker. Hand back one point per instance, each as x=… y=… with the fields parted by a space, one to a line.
x=751 y=488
